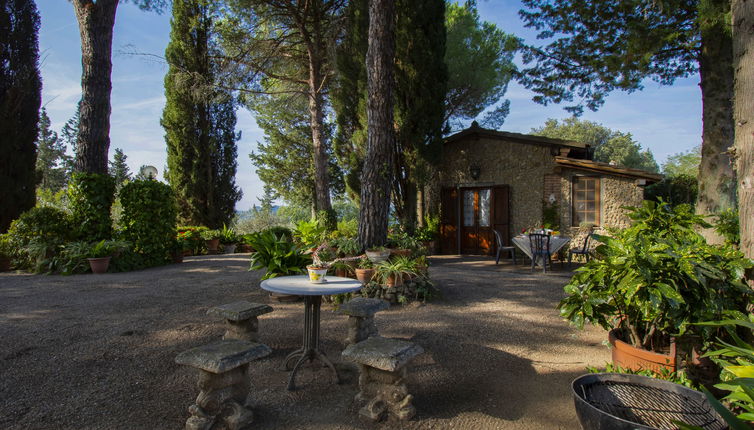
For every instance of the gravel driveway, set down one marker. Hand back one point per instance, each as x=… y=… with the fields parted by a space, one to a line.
x=96 y=351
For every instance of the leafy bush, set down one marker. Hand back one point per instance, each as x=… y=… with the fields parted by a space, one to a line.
x=211 y=234
x=310 y=233
x=90 y=198
x=190 y=238
x=346 y=228
x=259 y=220
x=6 y=248
x=727 y=226
x=228 y=236
x=149 y=218
x=676 y=190
x=277 y=255
x=431 y=229
x=656 y=278
x=346 y=246
x=35 y=236
x=285 y=232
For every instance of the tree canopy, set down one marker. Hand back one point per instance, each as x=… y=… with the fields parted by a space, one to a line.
x=52 y=161
x=609 y=146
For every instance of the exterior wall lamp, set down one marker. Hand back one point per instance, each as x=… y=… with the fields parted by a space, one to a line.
x=475 y=171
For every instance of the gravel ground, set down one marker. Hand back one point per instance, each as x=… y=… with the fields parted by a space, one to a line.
x=96 y=351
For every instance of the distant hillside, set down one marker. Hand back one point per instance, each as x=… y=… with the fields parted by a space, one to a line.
x=249 y=213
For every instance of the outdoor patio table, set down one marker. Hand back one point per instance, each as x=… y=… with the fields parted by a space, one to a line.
x=300 y=285
x=556 y=242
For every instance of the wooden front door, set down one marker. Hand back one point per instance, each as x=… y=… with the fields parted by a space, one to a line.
x=468 y=217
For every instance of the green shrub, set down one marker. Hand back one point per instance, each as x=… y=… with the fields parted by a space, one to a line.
x=285 y=232
x=310 y=233
x=277 y=255
x=36 y=235
x=656 y=278
x=149 y=218
x=727 y=226
x=90 y=198
x=190 y=238
x=228 y=236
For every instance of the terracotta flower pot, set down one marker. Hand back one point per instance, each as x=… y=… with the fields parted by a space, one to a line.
x=364 y=275
x=317 y=274
x=212 y=244
x=401 y=252
x=629 y=357
x=394 y=281
x=343 y=273
x=99 y=265
x=229 y=249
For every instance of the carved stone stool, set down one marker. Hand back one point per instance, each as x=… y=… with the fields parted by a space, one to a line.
x=382 y=373
x=224 y=401
x=241 y=318
x=360 y=311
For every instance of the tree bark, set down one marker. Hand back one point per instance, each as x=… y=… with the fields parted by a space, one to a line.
x=717 y=182
x=743 y=115
x=320 y=157
x=378 y=166
x=96 y=21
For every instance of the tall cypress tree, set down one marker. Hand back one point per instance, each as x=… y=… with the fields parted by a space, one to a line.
x=119 y=169
x=52 y=161
x=20 y=98
x=199 y=122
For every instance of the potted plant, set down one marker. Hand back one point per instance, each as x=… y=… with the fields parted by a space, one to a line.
x=652 y=282
x=364 y=270
x=101 y=252
x=5 y=253
x=378 y=254
x=427 y=234
x=212 y=239
x=228 y=238
x=404 y=244
x=178 y=249
x=319 y=267
x=278 y=256
x=393 y=272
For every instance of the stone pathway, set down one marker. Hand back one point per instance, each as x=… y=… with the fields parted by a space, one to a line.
x=97 y=351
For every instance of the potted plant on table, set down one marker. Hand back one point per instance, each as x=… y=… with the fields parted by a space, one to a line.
x=651 y=282
x=228 y=238
x=319 y=267
x=212 y=239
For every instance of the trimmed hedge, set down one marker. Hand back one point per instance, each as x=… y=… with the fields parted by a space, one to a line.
x=149 y=219
x=90 y=197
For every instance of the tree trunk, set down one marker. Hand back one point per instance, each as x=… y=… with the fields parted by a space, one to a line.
x=743 y=114
x=717 y=182
x=378 y=166
x=319 y=153
x=96 y=21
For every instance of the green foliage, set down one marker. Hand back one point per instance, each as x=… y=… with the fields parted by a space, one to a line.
x=52 y=161
x=284 y=232
x=258 y=220
x=20 y=98
x=658 y=277
x=346 y=246
x=403 y=240
x=609 y=146
x=199 y=120
x=190 y=238
x=431 y=229
x=106 y=248
x=480 y=64
x=737 y=361
x=90 y=197
x=676 y=190
x=149 y=219
x=550 y=215
x=277 y=255
x=57 y=200
x=683 y=163
x=310 y=233
x=664 y=374
x=228 y=236
x=398 y=267
x=211 y=234
x=346 y=229
x=36 y=236
x=6 y=247
x=596 y=47
x=728 y=227
x=119 y=169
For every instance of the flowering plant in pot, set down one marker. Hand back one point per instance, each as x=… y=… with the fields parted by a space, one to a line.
x=653 y=281
x=320 y=263
x=101 y=252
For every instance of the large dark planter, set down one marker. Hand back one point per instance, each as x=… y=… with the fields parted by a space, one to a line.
x=5 y=264
x=212 y=245
x=629 y=357
x=616 y=401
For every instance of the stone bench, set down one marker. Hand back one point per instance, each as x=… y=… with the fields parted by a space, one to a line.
x=241 y=319
x=382 y=376
x=360 y=311
x=224 y=400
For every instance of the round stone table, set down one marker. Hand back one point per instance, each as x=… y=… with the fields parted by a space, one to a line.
x=301 y=286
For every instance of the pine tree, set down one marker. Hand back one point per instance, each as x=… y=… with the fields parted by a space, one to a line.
x=119 y=169
x=20 y=99
x=199 y=122
x=52 y=160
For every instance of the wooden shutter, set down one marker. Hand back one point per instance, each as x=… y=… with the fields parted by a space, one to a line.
x=449 y=221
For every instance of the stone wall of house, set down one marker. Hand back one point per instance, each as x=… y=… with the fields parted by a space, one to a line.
x=520 y=166
x=615 y=192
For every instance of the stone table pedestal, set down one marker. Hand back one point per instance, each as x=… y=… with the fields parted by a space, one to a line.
x=360 y=311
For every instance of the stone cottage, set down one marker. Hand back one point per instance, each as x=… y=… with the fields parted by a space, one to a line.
x=510 y=182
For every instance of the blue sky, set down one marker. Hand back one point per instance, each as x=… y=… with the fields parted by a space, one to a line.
x=666 y=120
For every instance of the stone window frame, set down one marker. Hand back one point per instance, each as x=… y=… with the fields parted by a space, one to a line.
x=598 y=207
